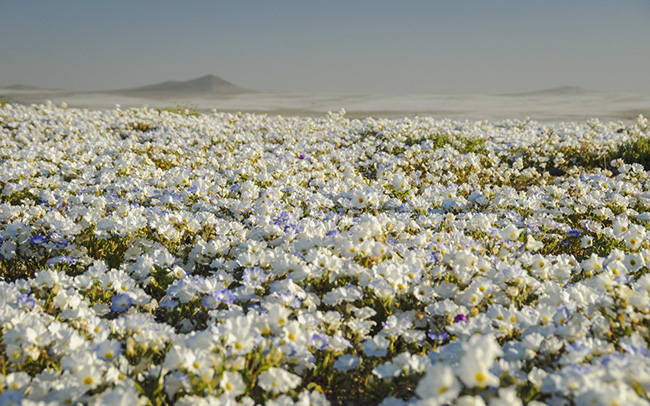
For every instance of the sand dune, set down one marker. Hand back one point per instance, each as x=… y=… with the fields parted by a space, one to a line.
x=211 y=92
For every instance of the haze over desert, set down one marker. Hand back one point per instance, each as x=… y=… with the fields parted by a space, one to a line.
x=569 y=103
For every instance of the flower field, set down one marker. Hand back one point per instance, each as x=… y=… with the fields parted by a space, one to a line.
x=158 y=257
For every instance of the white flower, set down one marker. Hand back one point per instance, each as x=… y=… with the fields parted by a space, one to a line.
x=532 y=244
x=586 y=241
x=376 y=346
x=475 y=372
x=8 y=250
x=346 y=362
x=17 y=380
x=240 y=334
x=387 y=370
x=232 y=383
x=118 y=396
x=634 y=261
x=510 y=233
x=295 y=334
x=89 y=376
x=278 y=380
x=179 y=358
x=475 y=364
x=277 y=316
x=470 y=401
x=400 y=183
x=594 y=263
x=313 y=398
x=438 y=382
x=345 y=293
x=109 y=350
x=507 y=397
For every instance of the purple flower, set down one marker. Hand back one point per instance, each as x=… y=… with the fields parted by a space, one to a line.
x=302 y=156
x=292 y=349
x=290 y=299
x=63 y=243
x=38 y=239
x=26 y=303
x=217 y=297
x=318 y=341
x=460 y=317
x=283 y=216
x=225 y=296
x=256 y=307
x=63 y=259
x=588 y=226
x=210 y=302
x=440 y=337
x=120 y=303
x=574 y=233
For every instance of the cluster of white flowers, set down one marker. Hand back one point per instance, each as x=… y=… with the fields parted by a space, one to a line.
x=154 y=257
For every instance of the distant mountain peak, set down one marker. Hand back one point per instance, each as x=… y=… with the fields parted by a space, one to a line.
x=207 y=85
x=562 y=91
x=209 y=82
x=210 y=77
x=566 y=90
x=27 y=87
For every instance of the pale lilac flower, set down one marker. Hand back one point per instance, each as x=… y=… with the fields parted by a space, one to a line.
x=120 y=303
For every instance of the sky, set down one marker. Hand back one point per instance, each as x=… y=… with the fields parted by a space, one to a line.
x=329 y=46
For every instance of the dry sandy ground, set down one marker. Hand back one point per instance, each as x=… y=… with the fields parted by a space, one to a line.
x=562 y=104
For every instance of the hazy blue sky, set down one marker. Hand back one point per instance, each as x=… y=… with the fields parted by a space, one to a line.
x=373 y=46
